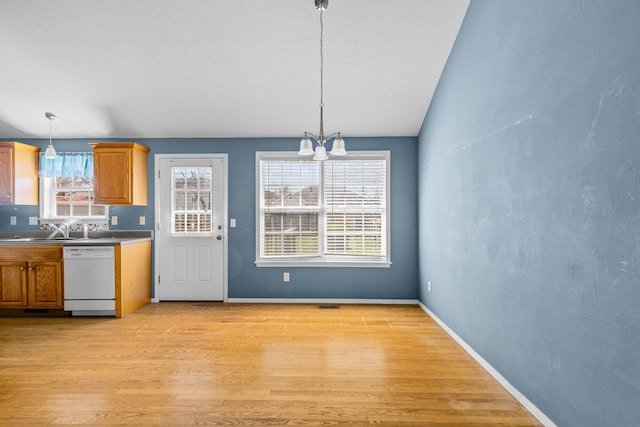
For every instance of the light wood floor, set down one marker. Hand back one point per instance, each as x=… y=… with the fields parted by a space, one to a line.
x=205 y=364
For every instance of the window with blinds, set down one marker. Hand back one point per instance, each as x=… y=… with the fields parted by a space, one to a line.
x=290 y=208
x=355 y=197
x=333 y=212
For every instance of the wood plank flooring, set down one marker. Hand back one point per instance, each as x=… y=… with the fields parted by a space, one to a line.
x=205 y=364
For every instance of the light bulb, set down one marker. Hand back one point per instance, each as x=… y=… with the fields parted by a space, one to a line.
x=338 y=148
x=306 y=147
x=50 y=153
x=321 y=153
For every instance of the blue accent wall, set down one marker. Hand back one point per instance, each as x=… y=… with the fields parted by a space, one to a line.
x=529 y=202
x=400 y=281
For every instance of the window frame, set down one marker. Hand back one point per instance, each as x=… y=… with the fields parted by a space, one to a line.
x=48 y=206
x=322 y=260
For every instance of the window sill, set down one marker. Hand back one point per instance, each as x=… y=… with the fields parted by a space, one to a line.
x=322 y=263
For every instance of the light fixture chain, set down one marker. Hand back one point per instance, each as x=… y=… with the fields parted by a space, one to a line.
x=321 y=61
x=321 y=135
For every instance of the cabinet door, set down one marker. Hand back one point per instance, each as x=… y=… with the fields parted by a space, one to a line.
x=45 y=284
x=113 y=175
x=120 y=173
x=6 y=175
x=13 y=284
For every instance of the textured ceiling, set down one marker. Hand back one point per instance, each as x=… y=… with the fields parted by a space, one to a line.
x=220 y=68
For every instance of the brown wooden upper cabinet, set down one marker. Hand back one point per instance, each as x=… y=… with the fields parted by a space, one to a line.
x=18 y=174
x=120 y=173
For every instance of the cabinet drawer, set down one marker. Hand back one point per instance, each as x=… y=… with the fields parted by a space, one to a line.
x=35 y=253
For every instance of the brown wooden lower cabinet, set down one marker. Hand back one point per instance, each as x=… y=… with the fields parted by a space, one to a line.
x=31 y=277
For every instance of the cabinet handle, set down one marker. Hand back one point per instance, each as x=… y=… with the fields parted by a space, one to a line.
x=31 y=268
x=21 y=268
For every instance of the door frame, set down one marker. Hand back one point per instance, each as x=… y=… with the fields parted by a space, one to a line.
x=225 y=186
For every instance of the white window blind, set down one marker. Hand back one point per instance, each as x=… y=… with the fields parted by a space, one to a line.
x=334 y=211
x=355 y=198
x=191 y=209
x=290 y=207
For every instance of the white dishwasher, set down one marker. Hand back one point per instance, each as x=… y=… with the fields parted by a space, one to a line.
x=89 y=280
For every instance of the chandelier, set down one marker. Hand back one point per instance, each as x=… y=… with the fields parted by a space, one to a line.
x=306 y=145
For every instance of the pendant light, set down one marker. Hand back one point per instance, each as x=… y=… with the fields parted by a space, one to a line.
x=306 y=144
x=50 y=153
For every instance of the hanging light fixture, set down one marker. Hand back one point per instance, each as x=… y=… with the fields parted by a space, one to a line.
x=50 y=153
x=306 y=144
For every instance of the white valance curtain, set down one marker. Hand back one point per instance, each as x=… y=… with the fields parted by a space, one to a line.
x=67 y=164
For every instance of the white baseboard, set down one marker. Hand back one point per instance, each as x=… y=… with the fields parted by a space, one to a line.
x=321 y=301
x=533 y=409
x=315 y=301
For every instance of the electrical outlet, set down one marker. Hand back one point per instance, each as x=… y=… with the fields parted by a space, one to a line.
x=33 y=220
x=232 y=223
x=285 y=276
x=142 y=220
x=114 y=220
x=12 y=220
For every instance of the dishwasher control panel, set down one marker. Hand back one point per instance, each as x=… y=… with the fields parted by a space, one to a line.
x=90 y=252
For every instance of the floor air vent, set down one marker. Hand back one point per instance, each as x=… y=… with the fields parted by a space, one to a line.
x=328 y=307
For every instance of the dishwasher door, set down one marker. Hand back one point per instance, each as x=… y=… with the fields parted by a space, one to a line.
x=89 y=280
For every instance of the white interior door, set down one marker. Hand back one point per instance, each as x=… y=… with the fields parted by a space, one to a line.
x=191 y=236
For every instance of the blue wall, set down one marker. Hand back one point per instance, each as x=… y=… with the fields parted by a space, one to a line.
x=529 y=202
x=400 y=281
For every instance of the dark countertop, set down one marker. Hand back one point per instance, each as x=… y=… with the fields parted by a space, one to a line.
x=96 y=238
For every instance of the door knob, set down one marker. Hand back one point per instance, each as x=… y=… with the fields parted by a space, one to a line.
x=219 y=237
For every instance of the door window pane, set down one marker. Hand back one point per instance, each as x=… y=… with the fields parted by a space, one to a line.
x=191 y=207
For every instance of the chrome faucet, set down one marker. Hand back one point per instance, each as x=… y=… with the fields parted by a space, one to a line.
x=62 y=229
x=85 y=231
